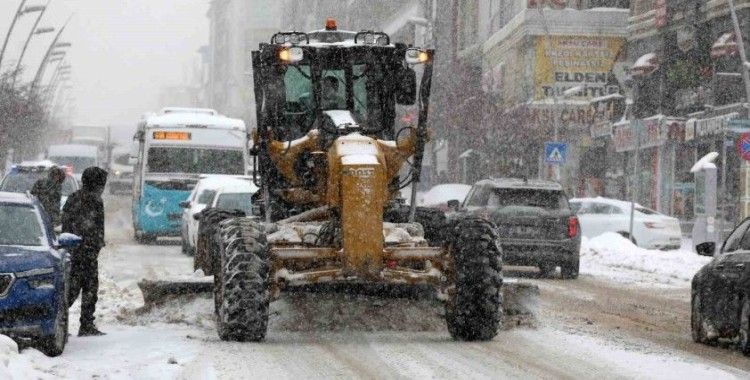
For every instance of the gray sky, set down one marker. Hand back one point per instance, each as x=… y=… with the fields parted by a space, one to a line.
x=123 y=51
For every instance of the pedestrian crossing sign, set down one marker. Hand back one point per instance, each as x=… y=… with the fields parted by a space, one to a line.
x=555 y=153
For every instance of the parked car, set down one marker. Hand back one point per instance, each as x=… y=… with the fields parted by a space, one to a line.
x=439 y=195
x=203 y=194
x=720 y=297
x=651 y=229
x=34 y=275
x=535 y=224
x=235 y=195
x=120 y=172
x=21 y=178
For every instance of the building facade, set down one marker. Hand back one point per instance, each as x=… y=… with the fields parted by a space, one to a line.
x=532 y=67
x=236 y=28
x=687 y=89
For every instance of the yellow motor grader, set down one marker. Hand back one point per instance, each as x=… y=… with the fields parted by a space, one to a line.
x=341 y=129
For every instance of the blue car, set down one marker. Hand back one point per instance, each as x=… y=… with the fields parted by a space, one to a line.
x=34 y=275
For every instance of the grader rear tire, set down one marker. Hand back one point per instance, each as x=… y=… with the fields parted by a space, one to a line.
x=242 y=293
x=475 y=310
x=207 y=247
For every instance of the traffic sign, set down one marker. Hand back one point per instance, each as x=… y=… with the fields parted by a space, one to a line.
x=555 y=153
x=743 y=146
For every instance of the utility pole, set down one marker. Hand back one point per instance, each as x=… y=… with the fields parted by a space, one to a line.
x=10 y=30
x=743 y=55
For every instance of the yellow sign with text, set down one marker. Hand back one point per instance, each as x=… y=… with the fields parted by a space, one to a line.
x=567 y=62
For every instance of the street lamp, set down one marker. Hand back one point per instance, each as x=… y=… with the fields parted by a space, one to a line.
x=45 y=60
x=43 y=30
x=32 y=32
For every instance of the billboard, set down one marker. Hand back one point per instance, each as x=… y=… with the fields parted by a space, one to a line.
x=565 y=62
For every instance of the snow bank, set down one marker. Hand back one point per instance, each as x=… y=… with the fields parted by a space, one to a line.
x=14 y=366
x=611 y=255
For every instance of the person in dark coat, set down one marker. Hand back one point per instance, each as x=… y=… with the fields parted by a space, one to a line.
x=83 y=215
x=48 y=190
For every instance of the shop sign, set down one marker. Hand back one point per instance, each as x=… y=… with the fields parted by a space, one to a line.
x=570 y=115
x=653 y=133
x=623 y=138
x=712 y=126
x=601 y=128
x=565 y=62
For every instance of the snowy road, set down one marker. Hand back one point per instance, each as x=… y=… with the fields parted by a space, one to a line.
x=594 y=327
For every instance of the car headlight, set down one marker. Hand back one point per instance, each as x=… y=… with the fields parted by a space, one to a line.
x=118 y=173
x=42 y=282
x=39 y=278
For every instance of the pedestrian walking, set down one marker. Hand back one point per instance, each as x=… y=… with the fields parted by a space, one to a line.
x=83 y=215
x=48 y=191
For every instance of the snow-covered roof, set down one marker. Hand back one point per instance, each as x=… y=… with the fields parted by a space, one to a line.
x=21 y=198
x=205 y=111
x=194 y=120
x=443 y=193
x=608 y=201
x=606 y=97
x=235 y=185
x=37 y=164
x=521 y=183
x=217 y=181
x=72 y=150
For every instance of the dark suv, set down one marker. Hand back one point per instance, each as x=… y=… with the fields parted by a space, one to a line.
x=535 y=224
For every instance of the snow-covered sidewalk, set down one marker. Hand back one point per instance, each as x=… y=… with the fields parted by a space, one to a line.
x=612 y=257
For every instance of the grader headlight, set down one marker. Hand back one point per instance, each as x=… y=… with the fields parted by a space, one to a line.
x=291 y=54
x=415 y=56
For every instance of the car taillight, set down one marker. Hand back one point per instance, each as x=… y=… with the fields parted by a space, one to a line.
x=572 y=227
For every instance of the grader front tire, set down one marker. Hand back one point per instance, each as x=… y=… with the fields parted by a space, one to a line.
x=475 y=310
x=242 y=293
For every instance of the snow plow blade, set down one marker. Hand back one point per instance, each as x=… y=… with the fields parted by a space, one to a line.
x=159 y=291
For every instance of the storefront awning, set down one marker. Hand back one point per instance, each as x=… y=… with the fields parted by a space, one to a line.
x=725 y=46
x=646 y=64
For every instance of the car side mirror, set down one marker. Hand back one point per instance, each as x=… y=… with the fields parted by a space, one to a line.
x=406 y=87
x=185 y=204
x=706 y=249
x=454 y=205
x=68 y=240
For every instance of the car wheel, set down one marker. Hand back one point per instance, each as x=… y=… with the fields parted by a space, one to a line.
x=570 y=269
x=54 y=345
x=547 y=270
x=696 y=320
x=745 y=327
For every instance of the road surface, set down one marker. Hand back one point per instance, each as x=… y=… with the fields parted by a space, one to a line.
x=592 y=327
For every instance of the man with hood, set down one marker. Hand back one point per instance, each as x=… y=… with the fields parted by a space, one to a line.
x=83 y=215
x=49 y=192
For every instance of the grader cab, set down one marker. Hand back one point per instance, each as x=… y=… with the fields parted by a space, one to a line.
x=341 y=129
